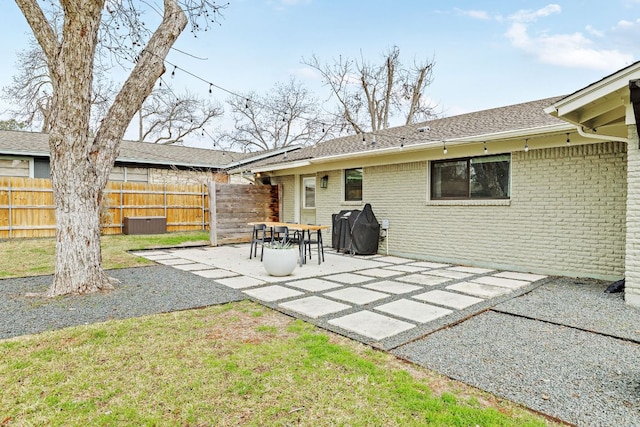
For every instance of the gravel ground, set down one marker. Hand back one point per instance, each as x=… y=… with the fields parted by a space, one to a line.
x=581 y=377
x=141 y=291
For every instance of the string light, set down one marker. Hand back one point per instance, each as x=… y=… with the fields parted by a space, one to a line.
x=444 y=148
x=485 y=148
x=402 y=142
x=526 y=145
x=568 y=140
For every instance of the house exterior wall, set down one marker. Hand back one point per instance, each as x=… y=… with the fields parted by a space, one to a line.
x=176 y=176
x=15 y=166
x=632 y=276
x=287 y=197
x=566 y=214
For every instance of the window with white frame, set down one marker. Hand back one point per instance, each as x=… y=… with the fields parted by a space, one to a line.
x=472 y=178
x=309 y=193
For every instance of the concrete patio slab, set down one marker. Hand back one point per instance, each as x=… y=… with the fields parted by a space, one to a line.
x=314 y=306
x=392 y=287
x=356 y=295
x=241 y=282
x=448 y=299
x=449 y=274
x=413 y=310
x=392 y=259
x=314 y=284
x=405 y=268
x=520 y=276
x=371 y=324
x=428 y=264
x=472 y=270
x=272 y=293
x=379 y=272
x=348 y=278
x=423 y=279
x=173 y=261
x=192 y=267
x=158 y=256
x=215 y=273
x=500 y=281
x=236 y=258
x=479 y=289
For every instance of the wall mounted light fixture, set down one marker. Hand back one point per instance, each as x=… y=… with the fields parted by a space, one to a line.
x=324 y=181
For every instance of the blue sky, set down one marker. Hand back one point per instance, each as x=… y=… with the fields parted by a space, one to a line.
x=487 y=53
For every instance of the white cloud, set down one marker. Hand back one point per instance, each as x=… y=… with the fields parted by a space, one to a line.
x=475 y=14
x=593 y=31
x=567 y=50
x=306 y=73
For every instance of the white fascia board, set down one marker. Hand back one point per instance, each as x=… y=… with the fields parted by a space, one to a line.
x=595 y=91
x=514 y=134
x=277 y=167
x=25 y=153
x=157 y=162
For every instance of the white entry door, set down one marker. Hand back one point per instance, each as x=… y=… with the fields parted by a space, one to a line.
x=308 y=198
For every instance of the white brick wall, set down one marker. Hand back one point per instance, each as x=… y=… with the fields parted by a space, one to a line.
x=632 y=279
x=567 y=213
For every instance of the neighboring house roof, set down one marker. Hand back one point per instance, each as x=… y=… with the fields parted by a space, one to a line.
x=36 y=144
x=491 y=124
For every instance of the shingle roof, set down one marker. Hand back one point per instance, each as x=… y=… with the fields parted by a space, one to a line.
x=528 y=115
x=36 y=144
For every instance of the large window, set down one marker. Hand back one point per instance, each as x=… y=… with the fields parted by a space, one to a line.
x=484 y=177
x=353 y=185
x=309 y=193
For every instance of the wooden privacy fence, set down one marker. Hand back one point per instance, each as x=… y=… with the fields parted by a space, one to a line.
x=27 y=207
x=234 y=205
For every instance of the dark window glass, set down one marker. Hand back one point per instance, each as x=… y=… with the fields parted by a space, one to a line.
x=41 y=168
x=484 y=177
x=353 y=184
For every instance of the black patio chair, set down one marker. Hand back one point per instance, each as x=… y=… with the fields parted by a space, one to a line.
x=260 y=234
x=312 y=237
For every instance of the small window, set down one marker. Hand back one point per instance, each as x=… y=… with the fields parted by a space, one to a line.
x=309 y=193
x=353 y=185
x=484 y=177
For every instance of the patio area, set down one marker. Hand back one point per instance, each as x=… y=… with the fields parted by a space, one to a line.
x=558 y=345
x=383 y=301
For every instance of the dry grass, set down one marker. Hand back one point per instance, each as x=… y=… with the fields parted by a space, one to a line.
x=237 y=364
x=32 y=257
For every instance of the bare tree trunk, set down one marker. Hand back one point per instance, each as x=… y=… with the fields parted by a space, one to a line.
x=80 y=165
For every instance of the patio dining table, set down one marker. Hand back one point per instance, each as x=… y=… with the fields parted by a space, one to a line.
x=295 y=226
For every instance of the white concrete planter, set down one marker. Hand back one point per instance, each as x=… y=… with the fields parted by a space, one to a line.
x=280 y=262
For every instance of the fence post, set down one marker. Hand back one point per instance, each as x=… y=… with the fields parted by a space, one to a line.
x=10 y=214
x=204 y=208
x=121 y=211
x=213 y=221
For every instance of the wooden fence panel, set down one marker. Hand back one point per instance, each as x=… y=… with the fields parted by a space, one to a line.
x=27 y=209
x=238 y=204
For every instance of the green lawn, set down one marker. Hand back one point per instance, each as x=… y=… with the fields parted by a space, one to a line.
x=229 y=365
x=32 y=257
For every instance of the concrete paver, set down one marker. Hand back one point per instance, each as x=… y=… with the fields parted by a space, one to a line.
x=381 y=300
x=215 y=273
x=413 y=310
x=392 y=287
x=272 y=293
x=449 y=299
x=479 y=289
x=371 y=325
x=501 y=281
x=423 y=279
x=356 y=295
x=314 y=307
x=314 y=284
